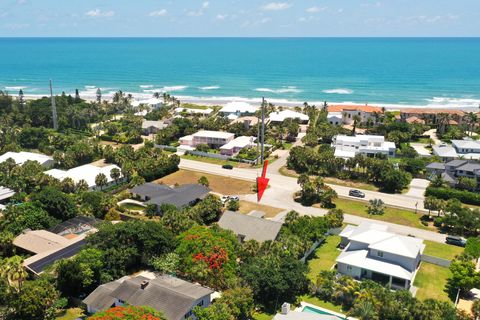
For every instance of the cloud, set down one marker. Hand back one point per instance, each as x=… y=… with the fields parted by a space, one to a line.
x=266 y=20
x=97 y=13
x=221 y=16
x=21 y=1
x=276 y=6
x=315 y=9
x=200 y=12
x=17 y=26
x=430 y=19
x=158 y=13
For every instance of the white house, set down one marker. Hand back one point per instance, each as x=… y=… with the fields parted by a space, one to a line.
x=365 y=113
x=371 y=252
x=87 y=172
x=202 y=112
x=214 y=139
x=469 y=149
x=445 y=152
x=369 y=145
x=150 y=127
x=236 y=109
x=152 y=102
x=335 y=118
x=22 y=157
x=175 y=297
x=280 y=116
x=237 y=144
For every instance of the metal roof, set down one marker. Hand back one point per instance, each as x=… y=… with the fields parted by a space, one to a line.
x=249 y=226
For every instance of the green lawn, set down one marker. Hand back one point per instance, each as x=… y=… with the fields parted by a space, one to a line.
x=320 y=303
x=209 y=160
x=431 y=280
x=324 y=257
x=262 y=316
x=441 y=250
x=351 y=184
x=132 y=206
x=71 y=314
x=393 y=215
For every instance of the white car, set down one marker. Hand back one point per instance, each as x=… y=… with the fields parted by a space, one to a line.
x=225 y=199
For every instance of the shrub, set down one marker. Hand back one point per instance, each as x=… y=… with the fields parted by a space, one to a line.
x=449 y=193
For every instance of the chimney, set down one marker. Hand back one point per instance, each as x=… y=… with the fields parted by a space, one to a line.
x=285 y=308
x=144 y=284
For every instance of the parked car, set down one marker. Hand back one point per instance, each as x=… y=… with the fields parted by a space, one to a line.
x=457 y=241
x=356 y=193
x=227 y=166
x=234 y=198
x=225 y=199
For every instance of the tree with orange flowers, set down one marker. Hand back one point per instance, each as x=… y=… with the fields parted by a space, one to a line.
x=129 y=313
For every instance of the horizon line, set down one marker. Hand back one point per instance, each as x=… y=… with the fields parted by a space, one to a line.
x=239 y=37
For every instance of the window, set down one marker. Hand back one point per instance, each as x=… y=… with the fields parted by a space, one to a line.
x=349 y=267
x=200 y=304
x=380 y=253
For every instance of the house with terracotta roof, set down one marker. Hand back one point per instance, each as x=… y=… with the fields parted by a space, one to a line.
x=366 y=113
x=372 y=252
x=430 y=115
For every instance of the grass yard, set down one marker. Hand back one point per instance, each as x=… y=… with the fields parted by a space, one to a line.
x=320 y=303
x=324 y=257
x=220 y=184
x=441 y=250
x=132 y=206
x=351 y=184
x=393 y=215
x=431 y=280
x=71 y=314
x=209 y=160
x=247 y=206
x=262 y=316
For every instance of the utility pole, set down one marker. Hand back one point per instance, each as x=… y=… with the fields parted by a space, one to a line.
x=263 y=131
x=54 y=108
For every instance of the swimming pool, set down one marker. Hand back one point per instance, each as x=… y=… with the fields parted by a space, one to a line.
x=320 y=311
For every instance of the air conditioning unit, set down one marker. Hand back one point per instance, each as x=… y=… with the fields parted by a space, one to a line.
x=285 y=308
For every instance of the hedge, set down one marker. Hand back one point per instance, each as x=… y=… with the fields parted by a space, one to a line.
x=450 y=193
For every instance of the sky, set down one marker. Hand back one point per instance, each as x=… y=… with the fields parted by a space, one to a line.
x=239 y=18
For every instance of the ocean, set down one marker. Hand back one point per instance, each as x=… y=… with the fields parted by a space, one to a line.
x=433 y=72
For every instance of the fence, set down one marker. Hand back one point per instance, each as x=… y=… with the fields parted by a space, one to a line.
x=434 y=260
x=165 y=147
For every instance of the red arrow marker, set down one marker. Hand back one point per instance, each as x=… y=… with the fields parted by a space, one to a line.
x=262 y=182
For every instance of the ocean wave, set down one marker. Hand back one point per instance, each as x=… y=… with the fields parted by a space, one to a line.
x=448 y=102
x=90 y=87
x=166 y=89
x=338 y=91
x=146 y=86
x=209 y=88
x=289 y=89
x=16 y=88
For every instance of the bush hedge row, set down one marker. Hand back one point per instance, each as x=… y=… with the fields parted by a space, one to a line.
x=449 y=193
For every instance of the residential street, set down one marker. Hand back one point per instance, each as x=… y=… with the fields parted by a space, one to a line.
x=280 y=195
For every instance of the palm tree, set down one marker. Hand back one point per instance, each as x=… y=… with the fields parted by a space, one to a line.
x=101 y=180
x=12 y=270
x=156 y=95
x=442 y=122
x=356 y=120
x=115 y=174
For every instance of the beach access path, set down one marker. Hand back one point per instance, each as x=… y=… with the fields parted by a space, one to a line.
x=281 y=190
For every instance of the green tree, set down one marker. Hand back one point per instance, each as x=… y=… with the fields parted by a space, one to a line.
x=203 y=181
x=233 y=205
x=376 y=207
x=13 y=272
x=115 y=174
x=26 y=216
x=101 y=180
x=58 y=204
x=395 y=180
x=466 y=183
x=464 y=277
x=151 y=210
x=167 y=263
x=207 y=210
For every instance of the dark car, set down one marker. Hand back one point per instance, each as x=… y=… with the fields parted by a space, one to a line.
x=227 y=166
x=457 y=241
x=356 y=193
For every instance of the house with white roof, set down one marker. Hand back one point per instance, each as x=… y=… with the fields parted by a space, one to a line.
x=23 y=156
x=469 y=149
x=280 y=116
x=236 y=109
x=6 y=193
x=445 y=152
x=202 y=112
x=233 y=147
x=372 y=252
x=214 y=139
x=152 y=102
x=150 y=127
x=369 y=145
x=335 y=118
x=88 y=173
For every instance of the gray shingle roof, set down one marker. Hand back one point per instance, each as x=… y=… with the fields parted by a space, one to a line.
x=448 y=177
x=181 y=196
x=173 y=296
x=249 y=226
x=436 y=166
x=456 y=163
x=470 y=167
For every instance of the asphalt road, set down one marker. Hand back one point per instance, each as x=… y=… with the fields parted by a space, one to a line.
x=280 y=195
